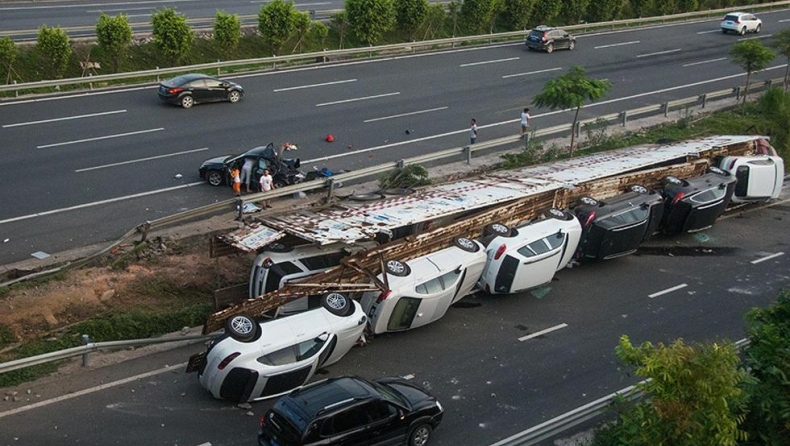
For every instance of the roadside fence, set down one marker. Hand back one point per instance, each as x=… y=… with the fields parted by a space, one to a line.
x=323 y=57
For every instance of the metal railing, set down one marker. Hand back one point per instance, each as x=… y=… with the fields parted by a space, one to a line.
x=370 y=51
x=562 y=423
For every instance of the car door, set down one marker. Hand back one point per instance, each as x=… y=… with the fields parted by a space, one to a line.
x=540 y=259
x=386 y=426
x=293 y=366
x=435 y=296
x=215 y=90
x=564 y=39
x=198 y=90
x=751 y=22
x=348 y=427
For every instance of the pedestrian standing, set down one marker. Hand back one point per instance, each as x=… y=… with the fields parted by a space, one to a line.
x=246 y=172
x=473 y=132
x=524 y=122
x=267 y=184
x=235 y=176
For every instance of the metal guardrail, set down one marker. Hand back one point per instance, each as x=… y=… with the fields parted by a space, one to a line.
x=562 y=423
x=91 y=347
x=402 y=47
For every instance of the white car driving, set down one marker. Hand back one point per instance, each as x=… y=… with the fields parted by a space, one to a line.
x=741 y=23
x=421 y=291
x=255 y=361
x=528 y=256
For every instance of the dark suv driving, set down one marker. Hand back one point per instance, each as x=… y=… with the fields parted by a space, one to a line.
x=350 y=410
x=548 y=39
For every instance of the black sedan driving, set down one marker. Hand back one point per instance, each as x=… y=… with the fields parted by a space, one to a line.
x=190 y=89
x=216 y=171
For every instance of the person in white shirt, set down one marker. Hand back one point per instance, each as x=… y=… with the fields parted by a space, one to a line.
x=246 y=172
x=267 y=184
x=524 y=122
x=473 y=131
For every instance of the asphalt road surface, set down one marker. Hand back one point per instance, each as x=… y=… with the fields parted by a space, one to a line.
x=85 y=168
x=483 y=360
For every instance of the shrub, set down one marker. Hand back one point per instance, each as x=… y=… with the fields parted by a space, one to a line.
x=370 y=19
x=113 y=35
x=53 y=43
x=172 y=34
x=227 y=31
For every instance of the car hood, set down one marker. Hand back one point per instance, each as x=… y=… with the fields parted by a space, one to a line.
x=216 y=161
x=413 y=393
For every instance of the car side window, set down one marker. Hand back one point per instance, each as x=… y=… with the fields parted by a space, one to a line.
x=198 y=83
x=556 y=240
x=449 y=279
x=213 y=83
x=308 y=349
x=430 y=287
x=403 y=314
x=345 y=421
x=283 y=356
x=381 y=410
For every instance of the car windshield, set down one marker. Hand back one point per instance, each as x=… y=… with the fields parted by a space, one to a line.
x=391 y=394
x=632 y=215
x=536 y=33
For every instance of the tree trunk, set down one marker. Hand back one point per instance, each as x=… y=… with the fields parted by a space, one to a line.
x=746 y=89
x=787 y=71
x=573 y=128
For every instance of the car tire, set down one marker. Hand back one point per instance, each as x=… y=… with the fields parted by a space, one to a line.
x=589 y=201
x=337 y=303
x=466 y=244
x=214 y=178
x=497 y=229
x=187 y=101
x=242 y=328
x=234 y=96
x=278 y=247
x=550 y=48
x=420 y=435
x=572 y=45
x=757 y=30
x=397 y=268
x=673 y=180
x=717 y=171
x=742 y=31
x=639 y=189
x=558 y=214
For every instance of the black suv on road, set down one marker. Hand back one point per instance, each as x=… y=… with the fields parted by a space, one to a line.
x=350 y=410
x=548 y=39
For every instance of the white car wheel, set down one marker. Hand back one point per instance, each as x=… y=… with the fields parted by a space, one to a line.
x=234 y=96
x=673 y=180
x=336 y=303
x=466 y=244
x=716 y=170
x=241 y=328
x=589 y=201
x=639 y=189
x=397 y=268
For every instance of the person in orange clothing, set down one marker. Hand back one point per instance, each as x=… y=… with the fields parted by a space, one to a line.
x=235 y=176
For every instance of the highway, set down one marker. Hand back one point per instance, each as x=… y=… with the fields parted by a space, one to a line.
x=483 y=360
x=86 y=167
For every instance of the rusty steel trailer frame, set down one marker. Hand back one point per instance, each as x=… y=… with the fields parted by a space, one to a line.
x=359 y=272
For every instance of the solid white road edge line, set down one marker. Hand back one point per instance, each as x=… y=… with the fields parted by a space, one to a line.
x=94 y=11
x=358 y=99
x=141 y=160
x=703 y=62
x=99 y=138
x=89 y=390
x=711 y=31
x=660 y=52
x=772 y=256
x=763 y=36
x=488 y=62
x=668 y=290
x=300 y=87
x=406 y=114
x=616 y=44
x=22 y=8
x=531 y=72
x=542 y=332
x=97 y=203
x=44 y=121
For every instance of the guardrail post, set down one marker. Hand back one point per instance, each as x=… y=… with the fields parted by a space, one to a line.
x=704 y=100
x=218 y=69
x=145 y=227
x=665 y=106
x=468 y=154
x=401 y=164
x=157 y=75
x=578 y=129
x=240 y=208
x=85 y=339
x=330 y=189
x=312 y=14
x=90 y=84
x=16 y=92
x=768 y=83
x=737 y=93
x=624 y=116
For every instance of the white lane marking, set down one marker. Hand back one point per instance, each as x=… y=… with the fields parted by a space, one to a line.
x=660 y=53
x=81 y=95
x=784 y=20
x=44 y=121
x=141 y=15
x=616 y=44
x=406 y=114
x=531 y=72
x=313 y=85
x=300 y=4
x=358 y=99
x=764 y=36
x=668 y=290
x=711 y=31
x=89 y=390
x=703 y=62
x=511 y=121
x=119 y=10
x=204 y=444
x=487 y=62
x=97 y=203
x=542 y=332
x=91 y=5
x=99 y=138
x=772 y=256
x=141 y=160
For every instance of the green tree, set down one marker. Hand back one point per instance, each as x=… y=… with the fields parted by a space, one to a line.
x=301 y=28
x=751 y=55
x=370 y=19
x=476 y=15
x=339 y=23
x=603 y=10
x=642 y=8
x=768 y=359
x=571 y=90
x=8 y=55
x=687 y=5
x=454 y=11
x=546 y=12
x=517 y=13
x=277 y=22
x=781 y=42
x=573 y=11
x=318 y=33
x=227 y=30
x=54 y=44
x=113 y=35
x=665 y=7
x=692 y=394
x=435 y=21
x=172 y=34
x=410 y=15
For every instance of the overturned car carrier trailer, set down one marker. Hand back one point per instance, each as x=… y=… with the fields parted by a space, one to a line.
x=431 y=218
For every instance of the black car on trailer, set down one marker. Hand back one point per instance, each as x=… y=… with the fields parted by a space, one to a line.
x=694 y=204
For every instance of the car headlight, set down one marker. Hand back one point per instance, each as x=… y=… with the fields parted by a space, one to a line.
x=439 y=405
